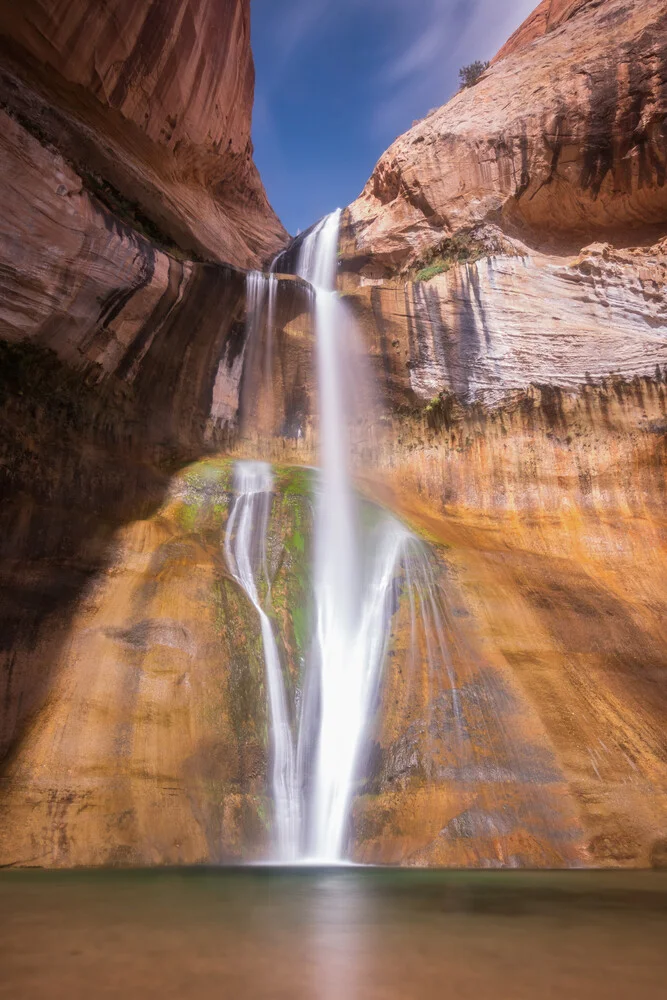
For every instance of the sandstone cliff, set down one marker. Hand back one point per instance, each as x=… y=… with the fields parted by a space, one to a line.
x=539 y=192
x=152 y=745
x=506 y=263
x=548 y=16
x=125 y=147
x=560 y=142
x=153 y=103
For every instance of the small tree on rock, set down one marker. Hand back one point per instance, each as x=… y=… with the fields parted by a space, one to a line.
x=469 y=75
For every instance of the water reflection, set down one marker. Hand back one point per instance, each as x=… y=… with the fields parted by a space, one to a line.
x=347 y=934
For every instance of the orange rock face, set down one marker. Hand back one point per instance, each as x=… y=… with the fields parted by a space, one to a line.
x=152 y=746
x=155 y=98
x=547 y=17
x=506 y=264
x=561 y=141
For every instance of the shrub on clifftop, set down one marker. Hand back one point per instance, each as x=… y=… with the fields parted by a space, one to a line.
x=469 y=75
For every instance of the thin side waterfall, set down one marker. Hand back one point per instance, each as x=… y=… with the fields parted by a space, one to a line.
x=246 y=552
x=257 y=379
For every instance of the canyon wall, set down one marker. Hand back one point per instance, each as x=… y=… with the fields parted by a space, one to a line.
x=559 y=145
x=153 y=104
x=130 y=206
x=506 y=266
x=547 y=16
x=506 y=263
x=151 y=747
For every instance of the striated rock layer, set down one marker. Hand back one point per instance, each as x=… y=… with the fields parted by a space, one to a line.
x=561 y=140
x=153 y=103
x=482 y=330
x=126 y=159
x=546 y=17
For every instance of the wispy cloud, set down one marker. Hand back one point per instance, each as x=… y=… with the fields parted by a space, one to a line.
x=293 y=24
x=422 y=52
x=425 y=47
x=428 y=50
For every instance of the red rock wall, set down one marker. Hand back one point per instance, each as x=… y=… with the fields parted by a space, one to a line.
x=506 y=264
x=156 y=97
x=557 y=145
x=124 y=148
x=548 y=16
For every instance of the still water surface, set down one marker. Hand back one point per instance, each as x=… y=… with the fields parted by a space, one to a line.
x=348 y=934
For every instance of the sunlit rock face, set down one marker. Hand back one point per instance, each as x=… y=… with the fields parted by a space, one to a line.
x=153 y=103
x=547 y=17
x=562 y=138
x=483 y=330
x=506 y=264
x=154 y=744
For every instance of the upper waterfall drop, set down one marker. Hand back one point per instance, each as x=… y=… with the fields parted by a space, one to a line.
x=318 y=258
x=337 y=572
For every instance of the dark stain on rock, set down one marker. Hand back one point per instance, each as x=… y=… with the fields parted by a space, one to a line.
x=554 y=140
x=468 y=340
x=178 y=373
x=160 y=313
x=297 y=406
x=154 y=632
x=378 y=315
x=114 y=303
x=524 y=181
x=599 y=140
x=235 y=343
x=551 y=404
x=158 y=24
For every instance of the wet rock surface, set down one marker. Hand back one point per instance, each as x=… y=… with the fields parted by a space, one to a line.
x=151 y=746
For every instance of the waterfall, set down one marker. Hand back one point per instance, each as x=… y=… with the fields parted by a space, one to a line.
x=246 y=552
x=257 y=379
x=352 y=595
x=356 y=581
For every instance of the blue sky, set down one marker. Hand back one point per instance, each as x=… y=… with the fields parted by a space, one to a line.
x=339 y=80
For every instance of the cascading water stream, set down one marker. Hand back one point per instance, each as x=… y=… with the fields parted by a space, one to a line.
x=356 y=577
x=261 y=298
x=245 y=549
x=352 y=597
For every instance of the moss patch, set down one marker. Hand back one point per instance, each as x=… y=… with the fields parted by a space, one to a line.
x=462 y=248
